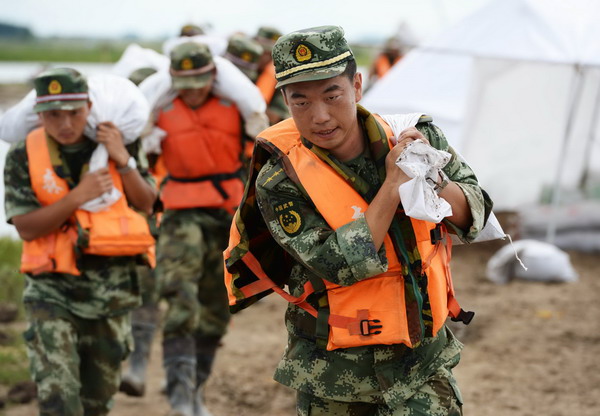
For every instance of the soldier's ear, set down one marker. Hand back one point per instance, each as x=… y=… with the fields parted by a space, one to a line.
x=357 y=85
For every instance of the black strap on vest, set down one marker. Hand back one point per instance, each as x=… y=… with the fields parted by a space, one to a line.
x=216 y=180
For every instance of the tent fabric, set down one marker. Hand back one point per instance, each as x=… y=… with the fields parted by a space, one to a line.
x=515 y=87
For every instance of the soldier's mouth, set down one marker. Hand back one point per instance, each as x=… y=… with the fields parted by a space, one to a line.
x=326 y=133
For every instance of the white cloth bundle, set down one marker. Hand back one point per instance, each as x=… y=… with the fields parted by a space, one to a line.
x=113 y=98
x=422 y=163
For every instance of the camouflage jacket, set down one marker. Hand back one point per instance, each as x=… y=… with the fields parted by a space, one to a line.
x=108 y=286
x=345 y=256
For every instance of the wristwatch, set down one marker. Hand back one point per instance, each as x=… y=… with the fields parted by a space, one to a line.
x=131 y=164
x=439 y=186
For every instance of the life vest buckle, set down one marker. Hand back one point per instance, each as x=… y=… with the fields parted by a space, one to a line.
x=366 y=327
x=436 y=234
x=464 y=316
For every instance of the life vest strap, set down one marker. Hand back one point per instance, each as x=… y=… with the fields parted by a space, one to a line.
x=216 y=180
x=265 y=283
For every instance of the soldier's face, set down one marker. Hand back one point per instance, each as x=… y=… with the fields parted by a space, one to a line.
x=195 y=97
x=325 y=113
x=65 y=126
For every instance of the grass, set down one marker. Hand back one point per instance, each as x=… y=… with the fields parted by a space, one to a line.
x=13 y=357
x=14 y=364
x=66 y=50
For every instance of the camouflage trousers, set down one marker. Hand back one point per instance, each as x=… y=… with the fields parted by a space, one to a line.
x=437 y=397
x=75 y=362
x=190 y=272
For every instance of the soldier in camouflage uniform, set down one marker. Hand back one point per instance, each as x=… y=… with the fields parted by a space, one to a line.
x=145 y=318
x=79 y=326
x=317 y=73
x=247 y=55
x=276 y=108
x=193 y=233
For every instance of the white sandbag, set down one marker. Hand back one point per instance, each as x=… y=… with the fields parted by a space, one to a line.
x=422 y=163
x=136 y=57
x=216 y=44
x=398 y=122
x=230 y=83
x=19 y=120
x=113 y=98
x=545 y=263
x=118 y=100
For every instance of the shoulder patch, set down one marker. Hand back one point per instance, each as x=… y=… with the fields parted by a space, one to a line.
x=289 y=218
x=271 y=175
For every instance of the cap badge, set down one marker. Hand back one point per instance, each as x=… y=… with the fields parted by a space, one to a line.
x=247 y=56
x=187 y=64
x=303 y=53
x=54 y=87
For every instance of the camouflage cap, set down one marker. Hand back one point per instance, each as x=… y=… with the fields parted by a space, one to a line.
x=191 y=30
x=267 y=36
x=141 y=74
x=192 y=66
x=311 y=54
x=244 y=53
x=60 y=89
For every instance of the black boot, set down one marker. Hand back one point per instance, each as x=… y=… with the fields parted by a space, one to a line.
x=133 y=382
x=179 y=361
x=206 y=348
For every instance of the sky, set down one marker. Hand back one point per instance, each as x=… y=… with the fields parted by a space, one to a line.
x=162 y=18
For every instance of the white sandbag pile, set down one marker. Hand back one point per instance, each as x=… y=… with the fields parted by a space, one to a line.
x=577 y=225
x=113 y=98
x=544 y=263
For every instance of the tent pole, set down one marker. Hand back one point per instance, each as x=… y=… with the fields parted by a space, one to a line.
x=591 y=139
x=576 y=98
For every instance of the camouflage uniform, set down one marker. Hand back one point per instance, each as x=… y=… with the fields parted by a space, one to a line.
x=367 y=380
x=79 y=326
x=266 y=37
x=143 y=319
x=190 y=269
x=246 y=53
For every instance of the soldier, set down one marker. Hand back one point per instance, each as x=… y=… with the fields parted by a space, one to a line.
x=80 y=266
x=191 y=30
x=391 y=54
x=276 y=108
x=202 y=153
x=369 y=287
x=247 y=54
x=145 y=318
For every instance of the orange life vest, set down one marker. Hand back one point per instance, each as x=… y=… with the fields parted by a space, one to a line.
x=371 y=311
x=382 y=65
x=266 y=82
x=116 y=231
x=202 y=153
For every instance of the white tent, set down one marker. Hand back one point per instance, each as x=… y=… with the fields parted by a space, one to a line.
x=516 y=89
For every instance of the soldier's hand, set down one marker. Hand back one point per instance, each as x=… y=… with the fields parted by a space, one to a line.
x=93 y=184
x=109 y=135
x=393 y=172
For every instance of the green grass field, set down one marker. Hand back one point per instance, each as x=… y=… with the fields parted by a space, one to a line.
x=66 y=50
x=13 y=358
x=105 y=51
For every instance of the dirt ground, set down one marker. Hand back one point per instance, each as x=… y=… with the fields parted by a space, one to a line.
x=532 y=349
